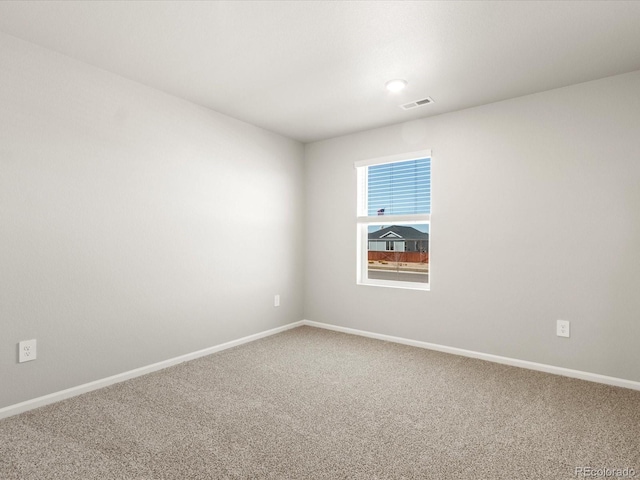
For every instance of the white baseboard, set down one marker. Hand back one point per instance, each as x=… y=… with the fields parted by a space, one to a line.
x=88 y=387
x=541 y=367
x=104 y=382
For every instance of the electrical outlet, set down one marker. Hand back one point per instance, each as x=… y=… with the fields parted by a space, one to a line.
x=563 y=328
x=276 y=301
x=27 y=351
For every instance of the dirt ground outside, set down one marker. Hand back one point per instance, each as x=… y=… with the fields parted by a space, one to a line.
x=383 y=265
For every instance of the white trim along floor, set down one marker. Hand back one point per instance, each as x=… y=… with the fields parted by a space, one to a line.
x=87 y=387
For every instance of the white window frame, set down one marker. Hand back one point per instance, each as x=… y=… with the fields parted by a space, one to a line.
x=364 y=221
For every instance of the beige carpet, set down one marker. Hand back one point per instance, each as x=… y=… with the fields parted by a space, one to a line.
x=311 y=403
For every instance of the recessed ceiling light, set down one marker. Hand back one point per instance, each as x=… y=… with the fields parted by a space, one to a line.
x=396 y=85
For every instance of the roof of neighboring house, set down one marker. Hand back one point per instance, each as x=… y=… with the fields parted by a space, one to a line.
x=403 y=233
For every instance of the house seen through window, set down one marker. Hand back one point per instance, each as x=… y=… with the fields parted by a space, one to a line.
x=394 y=221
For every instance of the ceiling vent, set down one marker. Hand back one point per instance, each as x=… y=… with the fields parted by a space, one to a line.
x=417 y=103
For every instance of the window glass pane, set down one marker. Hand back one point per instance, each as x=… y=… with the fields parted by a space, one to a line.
x=399 y=188
x=398 y=252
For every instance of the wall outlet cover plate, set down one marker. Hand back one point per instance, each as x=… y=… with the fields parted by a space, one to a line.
x=27 y=351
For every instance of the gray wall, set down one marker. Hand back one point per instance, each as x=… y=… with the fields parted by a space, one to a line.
x=134 y=226
x=536 y=217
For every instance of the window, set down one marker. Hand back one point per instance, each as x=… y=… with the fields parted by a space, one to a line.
x=394 y=220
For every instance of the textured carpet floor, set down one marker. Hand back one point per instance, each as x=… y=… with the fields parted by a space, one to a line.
x=310 y=403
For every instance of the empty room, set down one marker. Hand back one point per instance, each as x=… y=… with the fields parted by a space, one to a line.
x=319 y=240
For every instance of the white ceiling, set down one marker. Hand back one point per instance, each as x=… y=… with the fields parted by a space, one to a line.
x=314 y=70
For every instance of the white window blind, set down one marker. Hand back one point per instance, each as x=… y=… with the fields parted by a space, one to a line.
x=399 y=188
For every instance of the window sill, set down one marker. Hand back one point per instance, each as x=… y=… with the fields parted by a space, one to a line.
x=425 y=287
